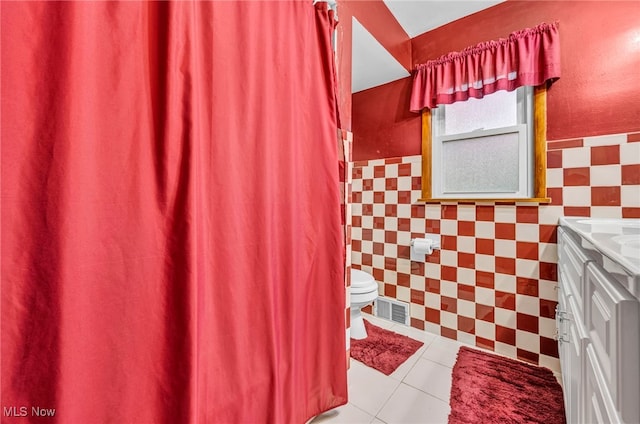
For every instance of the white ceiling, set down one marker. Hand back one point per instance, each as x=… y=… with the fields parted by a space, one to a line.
x=419 y=16
x=373 y=65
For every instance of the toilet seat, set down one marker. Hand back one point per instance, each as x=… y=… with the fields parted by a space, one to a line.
x=361 y=282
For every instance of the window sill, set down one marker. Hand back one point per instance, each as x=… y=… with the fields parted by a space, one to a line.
x=521 y=200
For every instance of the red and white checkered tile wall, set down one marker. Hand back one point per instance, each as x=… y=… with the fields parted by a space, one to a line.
x=345 y=142
x=493 y=283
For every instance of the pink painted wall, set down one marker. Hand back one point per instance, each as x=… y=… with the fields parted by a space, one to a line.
x=597 y=94
x=386 y=117
x=344 y=64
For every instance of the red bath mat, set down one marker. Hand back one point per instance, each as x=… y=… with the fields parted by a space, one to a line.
x=383 y=350
x=488 y=388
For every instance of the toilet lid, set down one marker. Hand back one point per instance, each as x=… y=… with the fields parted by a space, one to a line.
x=362 y=282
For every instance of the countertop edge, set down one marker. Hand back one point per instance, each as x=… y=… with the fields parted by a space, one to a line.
x=579 y=229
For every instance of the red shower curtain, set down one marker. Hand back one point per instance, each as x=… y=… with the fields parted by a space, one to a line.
x=171 y=240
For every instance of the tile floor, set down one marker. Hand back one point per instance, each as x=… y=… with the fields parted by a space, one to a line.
x=417 y=392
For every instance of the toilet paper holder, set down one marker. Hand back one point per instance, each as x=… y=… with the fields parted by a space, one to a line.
x=425 y=246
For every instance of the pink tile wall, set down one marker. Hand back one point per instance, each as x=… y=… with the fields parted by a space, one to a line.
x=493 y=283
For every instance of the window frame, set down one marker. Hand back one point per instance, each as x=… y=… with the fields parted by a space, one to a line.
x=539 y=166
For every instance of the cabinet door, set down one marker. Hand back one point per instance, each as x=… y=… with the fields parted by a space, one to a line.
x=599 y=407
x=573 y=371
x=562 y=326
x=613 y=325
x=572 y=342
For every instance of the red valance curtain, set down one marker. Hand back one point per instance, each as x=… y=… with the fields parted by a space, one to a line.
x=170 y=213
x=526 y=58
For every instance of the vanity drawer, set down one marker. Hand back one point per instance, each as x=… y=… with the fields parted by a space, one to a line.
x=612 y=315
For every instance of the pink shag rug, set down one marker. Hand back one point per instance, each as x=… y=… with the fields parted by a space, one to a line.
x=488 y=388
x=382 y=349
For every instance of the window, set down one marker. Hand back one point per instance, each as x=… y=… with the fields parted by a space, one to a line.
x=489 y=149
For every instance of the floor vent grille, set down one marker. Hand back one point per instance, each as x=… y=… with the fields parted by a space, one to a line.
x=391 y=309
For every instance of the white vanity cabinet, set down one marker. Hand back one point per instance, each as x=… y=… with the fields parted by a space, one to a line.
x=598 y=320
x=572 y=335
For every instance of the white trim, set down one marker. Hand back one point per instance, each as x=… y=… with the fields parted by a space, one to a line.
x=524 y=131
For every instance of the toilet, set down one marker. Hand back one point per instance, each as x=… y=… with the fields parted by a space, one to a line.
x=364 y=290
